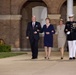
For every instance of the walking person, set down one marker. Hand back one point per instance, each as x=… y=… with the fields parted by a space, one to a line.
x=48 y=30
x=32 y=33
x=61 y=37
x=70 y=30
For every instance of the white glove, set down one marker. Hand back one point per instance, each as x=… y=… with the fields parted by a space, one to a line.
x=68 y=32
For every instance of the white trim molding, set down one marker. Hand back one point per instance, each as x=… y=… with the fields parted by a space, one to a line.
x=40 y=49
x=54 y=16
x=10 y=17
x=15 y=49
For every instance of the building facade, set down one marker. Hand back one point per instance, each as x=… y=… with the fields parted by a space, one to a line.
x=15 y=14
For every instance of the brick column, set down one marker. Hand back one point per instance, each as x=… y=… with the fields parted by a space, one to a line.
x=10 y=30
x=15 y=32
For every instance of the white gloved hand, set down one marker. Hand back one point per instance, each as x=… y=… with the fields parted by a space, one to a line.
x=68 y=32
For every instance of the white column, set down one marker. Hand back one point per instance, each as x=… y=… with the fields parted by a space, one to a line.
x=69 y=8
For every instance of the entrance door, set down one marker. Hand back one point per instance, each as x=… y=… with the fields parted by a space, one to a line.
x=30 y=8
x=41 y=13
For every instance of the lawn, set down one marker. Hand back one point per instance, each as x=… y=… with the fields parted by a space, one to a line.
x=10 y=54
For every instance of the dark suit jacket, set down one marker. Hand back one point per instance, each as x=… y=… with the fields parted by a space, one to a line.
x=30 y=30
x=70 y=27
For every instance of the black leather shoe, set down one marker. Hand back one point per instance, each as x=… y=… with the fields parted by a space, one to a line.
x=70 y=58
x=74 y=58
x=61 y=57
x=48 y=58
x=45 y=57
x=34 y=58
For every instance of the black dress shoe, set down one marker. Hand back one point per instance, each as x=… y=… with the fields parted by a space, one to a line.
x=74 y=58
x=45 y=57
x=34 y=58
x=70 y=58
x=61 y=57
x=48 y=58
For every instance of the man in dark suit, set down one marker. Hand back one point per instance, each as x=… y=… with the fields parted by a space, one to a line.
x=32 y=33
x=70 y=30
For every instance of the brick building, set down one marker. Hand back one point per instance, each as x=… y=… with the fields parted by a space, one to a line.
x=14 y=15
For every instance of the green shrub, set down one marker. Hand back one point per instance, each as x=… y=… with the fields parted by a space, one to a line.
x=5 y=48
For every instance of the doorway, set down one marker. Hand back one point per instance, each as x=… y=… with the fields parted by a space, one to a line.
x=30 y=8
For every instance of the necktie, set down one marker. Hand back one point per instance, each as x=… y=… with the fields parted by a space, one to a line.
x=33 y=24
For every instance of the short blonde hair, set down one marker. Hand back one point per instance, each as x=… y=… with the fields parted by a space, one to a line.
x=61 y=20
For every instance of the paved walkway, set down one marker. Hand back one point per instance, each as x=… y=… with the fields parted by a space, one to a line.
x=23 y=65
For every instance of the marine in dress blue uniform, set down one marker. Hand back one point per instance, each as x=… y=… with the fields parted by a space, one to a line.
x=70 y=30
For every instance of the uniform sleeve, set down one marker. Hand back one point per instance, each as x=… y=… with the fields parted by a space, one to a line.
x=75 y=21
x=75 y=27
x=66 y=28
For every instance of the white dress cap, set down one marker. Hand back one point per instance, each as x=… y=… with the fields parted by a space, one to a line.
x=71 y=15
